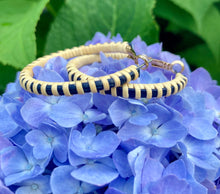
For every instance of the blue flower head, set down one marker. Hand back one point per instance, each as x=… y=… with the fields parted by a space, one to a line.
x=104 y=144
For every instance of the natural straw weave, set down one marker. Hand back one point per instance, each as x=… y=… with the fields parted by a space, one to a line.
x=128 y=90
x=79 y=87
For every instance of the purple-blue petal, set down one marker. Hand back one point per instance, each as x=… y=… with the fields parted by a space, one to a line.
x=62 y=182
x=93 y=115
x=35 y=111
x=96 y=174
x=170 y=184
x=201 y=128
x=119 y=112
x=92 y=146
x=66 y=114
x=121 y=163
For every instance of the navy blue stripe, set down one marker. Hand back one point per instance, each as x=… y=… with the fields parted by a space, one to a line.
x=143 y=93
x=178 y=87
x=99 y=85
x=39 y=88
x=131 y=93
x=182 y=83
x=111 y=82
x=72 y=89
x=25 y=85
x=86 y=87
x=31 y=87
x=72 y=77
x=49 y=90
x=108 y=92
x=132 y=75
x=60 y=90
x=164 y=91
x=22 y=79
x=119 y=91
x=123 y=79
x=154 y=92
x=172 y=89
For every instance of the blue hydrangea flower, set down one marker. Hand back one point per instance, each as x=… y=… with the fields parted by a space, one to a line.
x=68 y=185
x=39 y=184
x=4 y=189
x=104 y=144
x=122 y=111
x=89 y=145
x=48 y=139
x=165 y=131
x=19 y=164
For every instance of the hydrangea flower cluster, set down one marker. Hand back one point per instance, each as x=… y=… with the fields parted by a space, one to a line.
x=97 y=143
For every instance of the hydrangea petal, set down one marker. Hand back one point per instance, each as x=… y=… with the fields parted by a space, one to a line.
x=199 y=148
x=37 y=185
x=96 y=174
x=163 y=114
x=92 y=146
x=152 y=171
x=42 y=151
x=168 y=134
x=72 y=115
x=103 y=102
x=8 y=127
x=49 y=76
x=93 y=115
x=121 y=163
x=176 y=168
x=105 y=143
x=76 y=160
x=83 y=101
x=35 y=111
x=170 y=184
x=8 y=163
x=143 y=119
x=13 y=110
x=200 y=79
x=129 y=131
x=4 y=189
x=119 y=112
x=62 y=182
x=60 y=148
x=201 y=129
x=35 y=137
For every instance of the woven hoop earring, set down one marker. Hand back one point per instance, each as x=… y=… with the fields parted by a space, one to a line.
x=78 y=87
x=136 y=91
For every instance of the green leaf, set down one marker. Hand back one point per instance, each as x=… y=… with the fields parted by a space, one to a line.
x=200 y=55
x=210 y=32
x=7 y=74
x=209 y=29
x=18 y=20
x=77 y=22
x=197 y=8
x=168 y=10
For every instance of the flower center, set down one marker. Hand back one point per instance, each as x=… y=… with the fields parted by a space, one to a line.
x=98 y=128
x=133 y=112
x=88 y=147
x=154 y=131
x=85 y=117
x=34 y=186
x=29 y=167
x=50 y=140
x=80 y=191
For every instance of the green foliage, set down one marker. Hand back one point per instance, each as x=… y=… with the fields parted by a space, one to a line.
x=77 y=22
x=29 y=29
x=201 y=18
x=18 y=20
